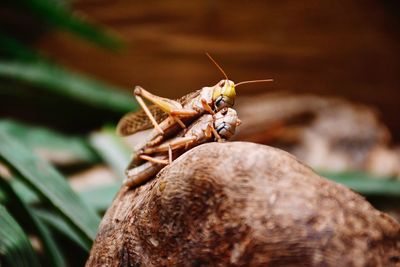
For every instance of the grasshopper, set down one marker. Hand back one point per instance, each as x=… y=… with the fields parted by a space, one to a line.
x=220 y=125
x=168 y=116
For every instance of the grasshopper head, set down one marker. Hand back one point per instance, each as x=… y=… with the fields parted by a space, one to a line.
x=225 y=122
x=224 y=94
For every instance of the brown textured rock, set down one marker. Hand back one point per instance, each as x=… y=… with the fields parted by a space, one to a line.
x=242 y=204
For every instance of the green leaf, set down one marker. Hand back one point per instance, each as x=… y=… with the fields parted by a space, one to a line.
x=15 y=248
x=13 y=48
x=56 y=147
x=58 y=14
x=59 y=81
x=100 y=197
x=57 y=223
x=111 y=148
x=53 y=254
x=50 y=185
x=366 y=184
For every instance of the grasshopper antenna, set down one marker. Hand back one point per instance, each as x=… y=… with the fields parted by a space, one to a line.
x=254 y=81
x=218 y=66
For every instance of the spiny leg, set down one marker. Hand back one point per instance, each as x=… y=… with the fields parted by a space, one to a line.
x=154 y=160
x=148 y=113
x=184 y=112
x=219 y=139
x=157 y=140
x=182 y=141
x=179 y=121
x=189 y=112
x=141 y=173
x=170 y=154
x=171 y=107
x=174 y=144
x=165 y=104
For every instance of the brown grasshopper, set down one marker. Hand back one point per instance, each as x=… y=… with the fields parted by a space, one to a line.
x=166 y=115
x=221 y=125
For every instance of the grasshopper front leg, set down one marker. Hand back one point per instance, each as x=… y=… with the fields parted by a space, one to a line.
x=216 y=134
x=210 y=131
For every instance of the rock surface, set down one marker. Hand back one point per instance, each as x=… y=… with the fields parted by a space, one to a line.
x=242 y=204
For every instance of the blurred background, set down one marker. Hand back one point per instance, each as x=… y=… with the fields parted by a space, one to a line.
x=68 y=68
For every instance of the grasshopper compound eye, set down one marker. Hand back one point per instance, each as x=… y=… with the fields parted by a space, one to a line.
x=223 y=102
x=225 y=130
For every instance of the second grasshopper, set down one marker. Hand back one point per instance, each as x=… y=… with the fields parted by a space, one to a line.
x=151 y=159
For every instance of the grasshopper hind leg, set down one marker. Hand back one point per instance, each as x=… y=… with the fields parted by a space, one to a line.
x=165 y=104
x=177 y=143
x=141 y=174
x=148 y=113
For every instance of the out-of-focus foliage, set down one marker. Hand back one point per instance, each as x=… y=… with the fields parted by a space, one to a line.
x=26 y=215
x=57 y=14
x=13 y=49
x=50 y=185
x=57 y=223
x=37 y=203
x=100 y=197
x=111 y=149
x=366 y=184
x=15 y=247
x=20 y=65
x=58 y=148
x=59 y=81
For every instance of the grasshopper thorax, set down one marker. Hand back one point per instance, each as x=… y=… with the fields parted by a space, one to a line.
x=224 y=94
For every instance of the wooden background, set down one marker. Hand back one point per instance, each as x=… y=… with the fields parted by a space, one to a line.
x=342 y=48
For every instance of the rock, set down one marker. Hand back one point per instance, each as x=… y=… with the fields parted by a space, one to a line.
x=242 y=204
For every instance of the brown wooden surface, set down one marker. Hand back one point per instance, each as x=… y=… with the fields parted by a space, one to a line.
x=345 y=48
